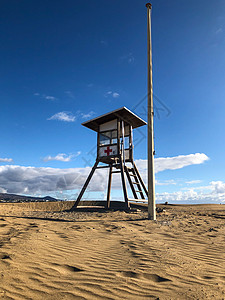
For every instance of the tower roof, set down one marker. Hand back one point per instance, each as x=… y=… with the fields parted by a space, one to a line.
x=122 y=113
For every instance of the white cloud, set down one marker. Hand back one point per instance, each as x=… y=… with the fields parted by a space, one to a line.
x=165 y=182
x=218 y=187
x=87 y=115
x=178 y=162
x=6 y=160
x=193 y=181
x=219 y=30
x=112 y=94
x=63 y=116
x=177 y=196
x=70 y=94
x=128 y=58
x=3 y=191
x=61 y=157
x=47 y=97
x=108 y=93
x=174 y=163
x=115 y=95
x=50 y=98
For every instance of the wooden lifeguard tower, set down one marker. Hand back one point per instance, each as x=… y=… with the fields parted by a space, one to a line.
x=115 y=151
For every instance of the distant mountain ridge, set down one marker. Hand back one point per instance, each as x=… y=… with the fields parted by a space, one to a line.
x=13 y=198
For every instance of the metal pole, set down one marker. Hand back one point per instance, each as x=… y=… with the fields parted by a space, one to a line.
x=151 y=174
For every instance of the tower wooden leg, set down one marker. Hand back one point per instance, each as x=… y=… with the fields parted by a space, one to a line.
x=85 y=185
x=109 y=187
x=124 y=183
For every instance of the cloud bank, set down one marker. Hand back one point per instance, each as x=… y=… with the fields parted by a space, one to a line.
x=32 y=180
x=174 y=163
x=213 y=193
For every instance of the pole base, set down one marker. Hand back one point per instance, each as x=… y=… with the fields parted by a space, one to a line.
x=153 y=218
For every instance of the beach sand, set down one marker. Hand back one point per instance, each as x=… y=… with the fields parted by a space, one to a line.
x=46 y=253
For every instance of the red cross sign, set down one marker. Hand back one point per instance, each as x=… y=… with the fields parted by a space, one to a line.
x=108 y=151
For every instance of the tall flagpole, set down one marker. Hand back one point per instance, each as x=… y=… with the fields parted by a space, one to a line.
x=151 y=173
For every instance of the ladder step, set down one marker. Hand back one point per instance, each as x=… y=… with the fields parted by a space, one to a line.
x=117 y=166
x=138 y=191
x=138 y=200
x=129 y=169
x=133 y=175
x=135 y=182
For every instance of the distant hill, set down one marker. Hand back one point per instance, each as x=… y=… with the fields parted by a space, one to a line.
x=12 y=198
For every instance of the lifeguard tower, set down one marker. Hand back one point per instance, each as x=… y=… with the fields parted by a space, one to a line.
x=115 y=151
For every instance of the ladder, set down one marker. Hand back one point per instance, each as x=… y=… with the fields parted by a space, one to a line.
x=137 y=185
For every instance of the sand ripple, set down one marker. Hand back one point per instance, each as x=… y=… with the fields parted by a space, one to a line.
x=113 y=255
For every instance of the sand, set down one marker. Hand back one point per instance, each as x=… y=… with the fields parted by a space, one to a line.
x=46 y=253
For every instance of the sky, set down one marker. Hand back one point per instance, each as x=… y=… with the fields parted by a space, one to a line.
x=65 y=62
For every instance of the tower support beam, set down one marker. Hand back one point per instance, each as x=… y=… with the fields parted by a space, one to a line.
x=86 y=184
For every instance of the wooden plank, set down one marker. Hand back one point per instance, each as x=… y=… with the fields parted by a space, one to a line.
x=123 y=182
x=102 y=167
x=138 y=200
x=86 y=184
x=109 y=187
x=131 y=144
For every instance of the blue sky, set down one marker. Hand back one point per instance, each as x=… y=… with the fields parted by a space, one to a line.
x=63 y=62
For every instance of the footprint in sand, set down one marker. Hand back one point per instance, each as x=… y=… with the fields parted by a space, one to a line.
x=77 y=227
x=155 y=278
x=72 y=269
x=152 y=277
x=130 y=274
x=63 y=269
x=33 y=225
x=4 y=256
x=207 y=277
